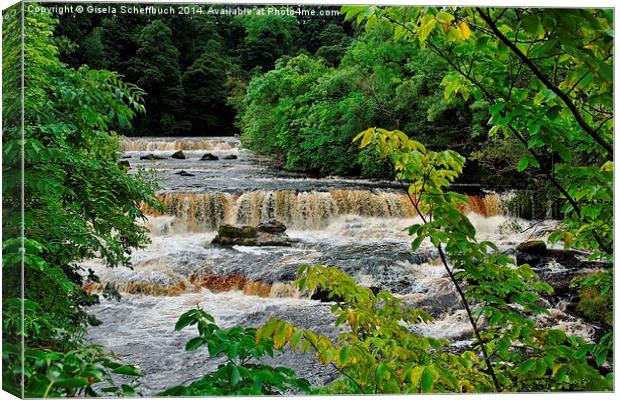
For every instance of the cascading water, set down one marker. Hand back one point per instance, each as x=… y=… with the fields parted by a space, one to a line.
x=165 y=144
x=358 y=225
x=298 y=210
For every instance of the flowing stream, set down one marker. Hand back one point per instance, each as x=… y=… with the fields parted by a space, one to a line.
x=358 y=225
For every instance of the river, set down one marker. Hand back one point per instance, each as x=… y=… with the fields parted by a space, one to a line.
x=355 y=224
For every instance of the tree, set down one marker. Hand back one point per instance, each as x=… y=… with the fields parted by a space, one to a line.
x=334 y=42
x=267 y=38
x=377 y=353
x=65 y=199
x=94 y=49
x=206 y=92
x=240 y=374
x=157 y=65
x=307 y=112
x=312 y=27
x=546 y=84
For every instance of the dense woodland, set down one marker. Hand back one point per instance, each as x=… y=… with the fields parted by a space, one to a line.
x=217 y=75
x=522 y=94
x=195 y=68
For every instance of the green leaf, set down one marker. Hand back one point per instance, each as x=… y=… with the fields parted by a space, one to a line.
x=128 y=370
x=606 y=71
x=185 y=320
x=427 y=379
x=194 y=343
x=381 y=370
x=445 y=17
x=601 y=358
x=234 y=374
x=527 y=365
x=497 y=107
x=344 y=354
x=72 y=382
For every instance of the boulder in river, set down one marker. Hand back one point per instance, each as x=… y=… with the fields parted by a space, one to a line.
x=271 y=226
x=124 y=164
x=533 y=247
x=557 y=267
x=152 y=157
x=246 y=235
x=179 y=155
x=230 y=157
x=184 y=173
x=209 y=157
x=536 y=254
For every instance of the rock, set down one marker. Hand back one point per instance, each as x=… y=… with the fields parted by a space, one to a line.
x=124 y=164
x=269 y=239
x=184 y=173
x=559 y=278
x=230 y=157
x=246 y=235
x=243 y=231
x=554 y=266
x=152 y=157
x=125 y=156
x=179 y=155
x=533 y=247
x=324 y=296
x=537 y=255
x=209 y=157
x=271 y=226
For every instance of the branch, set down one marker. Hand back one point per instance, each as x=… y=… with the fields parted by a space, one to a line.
x=561 y=189
x=567 y=101
x=341 y=370
x=449 y=60
x=470 y=316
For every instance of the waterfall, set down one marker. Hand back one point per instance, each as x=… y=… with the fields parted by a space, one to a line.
x=488 y=205
x=298 y=210
x=197 y=212
x=148 y=144
x=214 y=283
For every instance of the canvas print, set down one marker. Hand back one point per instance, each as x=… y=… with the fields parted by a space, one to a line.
x=218 y=199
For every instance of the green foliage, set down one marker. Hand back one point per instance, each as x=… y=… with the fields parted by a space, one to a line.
x=547 y=84
x=306 y=112
x=375 y=351
x=267 y=38
x=157 y=64
x=334 y=42
x=215 y=55
x=205 y=86
x=595 y=297
x=491 y=287
x=238 y=375
x=511 y=351
x=77 y=204
x=67 y=374
x=94 y=49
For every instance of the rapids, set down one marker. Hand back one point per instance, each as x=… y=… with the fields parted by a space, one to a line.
x=356 y=224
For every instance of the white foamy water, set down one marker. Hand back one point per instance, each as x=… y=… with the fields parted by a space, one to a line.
x=358 y=225
x=143 y=144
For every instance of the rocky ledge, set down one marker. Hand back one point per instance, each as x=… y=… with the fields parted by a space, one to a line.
x=270 y=233
x=556 y=267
